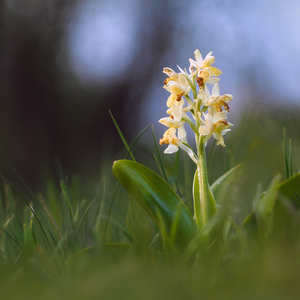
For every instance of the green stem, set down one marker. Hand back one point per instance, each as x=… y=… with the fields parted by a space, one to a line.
x=191 y=123
x=205 y=207
x=189 y=100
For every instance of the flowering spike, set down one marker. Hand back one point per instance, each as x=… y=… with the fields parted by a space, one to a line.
x=209 y=111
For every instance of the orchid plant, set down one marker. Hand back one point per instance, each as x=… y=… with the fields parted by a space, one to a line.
x=205 y=110
x=209 y=112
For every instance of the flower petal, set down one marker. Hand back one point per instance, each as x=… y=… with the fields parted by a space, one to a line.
x=171 y=149
x=198 y=56
x=215 y=89
x=216 y=72
x=204 y=130
x=177 y=113
x=212 y=80
x=219 y=116
x=188 y=150
x=218 y=136
x=169 y=122
x=170 y=72
x=224 y=131
x=182 y=134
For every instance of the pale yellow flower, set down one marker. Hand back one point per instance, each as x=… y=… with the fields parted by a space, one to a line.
x=175 y=100
x=206 y=73
x=174 y=142
x=177 y=112
x=214 y=99
x=177 y=84
x=207 y=76
x=215 y=125
x=170 y=122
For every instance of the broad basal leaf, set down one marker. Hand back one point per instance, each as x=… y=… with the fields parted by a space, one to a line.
x=157 y=198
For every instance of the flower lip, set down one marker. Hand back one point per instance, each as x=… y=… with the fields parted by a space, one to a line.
x=170 y=122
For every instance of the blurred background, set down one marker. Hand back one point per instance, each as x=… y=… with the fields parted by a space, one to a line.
x=65 y=63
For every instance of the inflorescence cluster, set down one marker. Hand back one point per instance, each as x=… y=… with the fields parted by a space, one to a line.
x=208 y=108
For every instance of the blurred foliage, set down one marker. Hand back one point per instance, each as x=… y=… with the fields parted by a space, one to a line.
x=69 y=243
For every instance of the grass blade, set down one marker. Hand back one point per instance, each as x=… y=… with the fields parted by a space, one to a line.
x=109 y=211
x=13 y=239
x=29 y=206
x=84 y=214
x=135 y=140
x=121 y=135
x=290 y=159
x=285 y=156
x=159 y=157
x=66 y=194
x=50 y=216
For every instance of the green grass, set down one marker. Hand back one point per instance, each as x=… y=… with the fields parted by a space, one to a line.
x=68 y=244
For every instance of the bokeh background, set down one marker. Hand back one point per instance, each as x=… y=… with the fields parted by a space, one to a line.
x=64 y=64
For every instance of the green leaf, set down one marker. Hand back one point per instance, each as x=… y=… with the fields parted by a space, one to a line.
x=264 y=209
x=291 y=188
x=221 y=183
x=265 y=205
x=128 y=152
x=157 y=198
